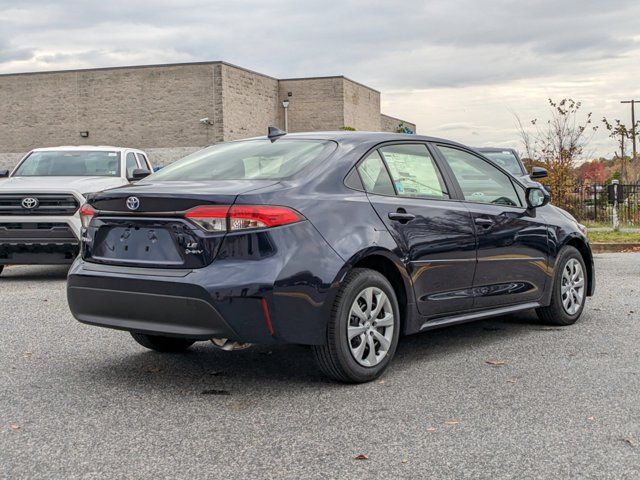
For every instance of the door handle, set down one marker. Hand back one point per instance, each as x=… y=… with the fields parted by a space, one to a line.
x=402 y=217
x=484 y=222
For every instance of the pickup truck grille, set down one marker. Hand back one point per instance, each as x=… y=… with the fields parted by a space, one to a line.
x=36 y=233
x=38 y=204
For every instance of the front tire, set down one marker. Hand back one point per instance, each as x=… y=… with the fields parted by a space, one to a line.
x=569 y=290
x=363 y=331
x=162 y=344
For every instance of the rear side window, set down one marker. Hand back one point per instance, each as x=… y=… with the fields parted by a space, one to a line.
x=479 y=180
x=374 y=175
x=251 y=159
x=413 y=171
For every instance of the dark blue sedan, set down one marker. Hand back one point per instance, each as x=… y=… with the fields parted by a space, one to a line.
x=343 y=241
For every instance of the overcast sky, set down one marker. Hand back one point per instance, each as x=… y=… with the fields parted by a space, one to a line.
x=457 y=68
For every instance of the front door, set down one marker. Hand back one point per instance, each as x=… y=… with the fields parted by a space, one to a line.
x=435 y=235
x=512 y=241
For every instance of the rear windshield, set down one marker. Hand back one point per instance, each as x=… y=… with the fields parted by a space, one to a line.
x=70 y=163
x=251 y=159
x=506 y=160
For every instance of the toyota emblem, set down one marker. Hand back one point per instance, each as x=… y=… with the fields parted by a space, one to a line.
x=30 y=203
x=133 y=203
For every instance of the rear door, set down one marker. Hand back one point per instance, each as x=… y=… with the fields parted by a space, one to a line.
x=512 y=241
x=435 y=235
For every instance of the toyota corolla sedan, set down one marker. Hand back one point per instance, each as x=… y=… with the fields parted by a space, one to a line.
x=343 y=241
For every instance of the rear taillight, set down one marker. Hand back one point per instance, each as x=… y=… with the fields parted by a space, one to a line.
x=241 y=217
x=86 y=214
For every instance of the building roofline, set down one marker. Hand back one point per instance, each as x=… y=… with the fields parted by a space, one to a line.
x=328 y=77
x=124 y=67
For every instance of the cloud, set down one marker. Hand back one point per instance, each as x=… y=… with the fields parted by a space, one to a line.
x=457 y=60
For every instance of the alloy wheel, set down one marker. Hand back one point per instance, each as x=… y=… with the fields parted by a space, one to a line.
x=572 y=287
x=370 y=327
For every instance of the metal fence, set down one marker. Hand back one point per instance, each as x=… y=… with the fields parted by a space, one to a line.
x=594 y=203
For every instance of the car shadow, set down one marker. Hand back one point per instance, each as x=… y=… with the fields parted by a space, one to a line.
x=205 y=370
x=30 y=273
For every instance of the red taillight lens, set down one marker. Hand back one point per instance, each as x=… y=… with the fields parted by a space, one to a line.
x=221 y=218
x=86 y=214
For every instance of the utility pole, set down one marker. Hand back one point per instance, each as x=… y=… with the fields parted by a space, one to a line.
x=633 y=124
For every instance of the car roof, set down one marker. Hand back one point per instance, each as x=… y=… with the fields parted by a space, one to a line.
x=91 y=148
x=341 y=136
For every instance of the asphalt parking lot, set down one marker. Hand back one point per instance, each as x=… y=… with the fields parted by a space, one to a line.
x=84 y=402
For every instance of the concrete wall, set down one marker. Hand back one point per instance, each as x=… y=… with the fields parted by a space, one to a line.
x=249 y=103
x=390 y=124
x=361 y=106
x=315 y=103
x=138 y=107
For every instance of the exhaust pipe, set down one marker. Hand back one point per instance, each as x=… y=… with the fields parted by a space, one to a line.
x=229 y=345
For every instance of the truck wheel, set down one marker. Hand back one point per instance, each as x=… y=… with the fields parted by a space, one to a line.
x=162 y=344
x=363 y=330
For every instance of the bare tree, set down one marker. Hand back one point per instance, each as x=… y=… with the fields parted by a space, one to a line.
x=621 y=133
x=558 y=143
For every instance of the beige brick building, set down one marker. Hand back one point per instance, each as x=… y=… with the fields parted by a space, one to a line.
x=160 y=108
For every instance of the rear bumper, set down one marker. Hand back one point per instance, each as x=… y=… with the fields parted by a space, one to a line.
x=226 y=299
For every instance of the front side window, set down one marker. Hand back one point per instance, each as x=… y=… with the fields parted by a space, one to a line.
x=251 y=159
x=132 y=164
x=70 y=163
x=413 y=171
x=479 y=180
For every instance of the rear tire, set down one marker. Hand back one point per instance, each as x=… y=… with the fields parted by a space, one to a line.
x=363 y=331
x=569 y=290
x=162 y=344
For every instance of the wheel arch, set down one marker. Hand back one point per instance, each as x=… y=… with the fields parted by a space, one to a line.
x=389 y=265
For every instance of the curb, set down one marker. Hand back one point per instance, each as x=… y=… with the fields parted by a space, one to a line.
x=614 y=247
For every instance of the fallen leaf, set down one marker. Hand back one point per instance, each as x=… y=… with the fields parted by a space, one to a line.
x=496 y=363
x=361 y=456
x=381 y=382
x=452 y=422
x=214 y=391
x=14 y=426
x=216 y=373
x=431 y=429
x=405 y=460
x=629 y=440
x=154 y=369
x=511 y=380
x=26 y=354
x=591 y=419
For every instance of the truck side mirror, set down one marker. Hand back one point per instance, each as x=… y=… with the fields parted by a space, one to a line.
x=139 y=174
x=539 y=172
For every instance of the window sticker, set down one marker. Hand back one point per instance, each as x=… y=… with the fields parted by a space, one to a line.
x=399 y=187
x=113 y=154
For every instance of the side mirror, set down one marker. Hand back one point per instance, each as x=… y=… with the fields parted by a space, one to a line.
x=139 y=174
x=538 y=172
x=4 y=173
x=537 y=197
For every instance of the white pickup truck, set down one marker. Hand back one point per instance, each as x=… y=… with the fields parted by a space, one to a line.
x=40 y=198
